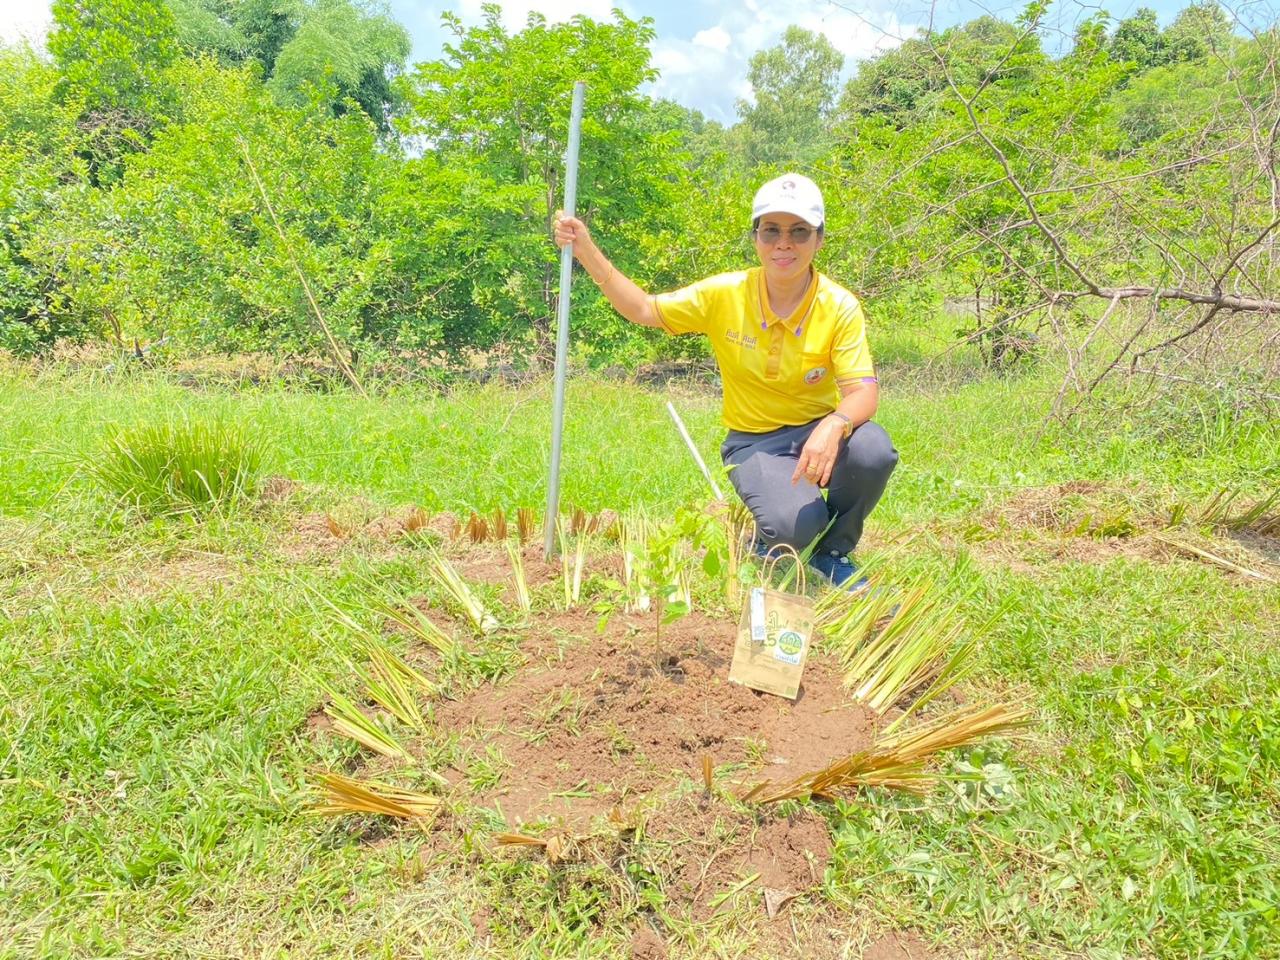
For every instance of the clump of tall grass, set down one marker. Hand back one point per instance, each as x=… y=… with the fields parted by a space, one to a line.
x=180 y=466
x=460 y=593
x=892 y=642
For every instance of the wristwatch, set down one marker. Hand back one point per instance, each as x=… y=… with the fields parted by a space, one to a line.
x=848 y=424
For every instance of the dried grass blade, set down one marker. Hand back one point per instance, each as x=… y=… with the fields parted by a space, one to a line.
x=417 y=624
x=352 y=722
x=525 y=523
x=388 y=686
x=519 y=840
x=897 y=763
x=523 y=598
x=417 y=519
x=566 y=570
x=449 y=580
x=579 y=563
x=1213 y=558
x=344 y=795
x=955 y=729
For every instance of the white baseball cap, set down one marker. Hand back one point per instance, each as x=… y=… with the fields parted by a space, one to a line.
x=790 y=193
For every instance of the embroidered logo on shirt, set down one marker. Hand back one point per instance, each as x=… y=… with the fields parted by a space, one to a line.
x=814 y=375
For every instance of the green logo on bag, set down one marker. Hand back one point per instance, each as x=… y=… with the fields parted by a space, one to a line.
x=790 y=642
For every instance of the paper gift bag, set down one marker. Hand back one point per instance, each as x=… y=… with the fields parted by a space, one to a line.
x=773 y=642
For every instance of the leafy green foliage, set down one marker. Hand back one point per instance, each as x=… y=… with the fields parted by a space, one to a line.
x=113 y=53
x=39 y=166
x=112 y=57
x=238 y=30
x=794 y=85
x=418 y=206
x=497 y=107
x=329 y=51
x=339 y=43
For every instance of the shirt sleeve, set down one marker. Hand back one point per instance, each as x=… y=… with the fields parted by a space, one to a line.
x=850 y=355
x=689 y=309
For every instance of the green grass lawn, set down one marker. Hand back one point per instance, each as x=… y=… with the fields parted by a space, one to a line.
x=156 y=676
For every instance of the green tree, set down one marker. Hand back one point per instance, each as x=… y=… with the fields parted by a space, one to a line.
x=112 y=55
x=795 y=85
x=348 y=50
x=497 y=106
x=904 y=84
x=341 y=43
x=237 y=31
x=1197 y=31
x=183 y=243
x=40 y=173
x=1138 y=40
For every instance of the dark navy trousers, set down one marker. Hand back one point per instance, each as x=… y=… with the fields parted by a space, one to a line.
x=762 y=465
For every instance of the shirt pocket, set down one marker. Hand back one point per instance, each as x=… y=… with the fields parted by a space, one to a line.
x=815 y=372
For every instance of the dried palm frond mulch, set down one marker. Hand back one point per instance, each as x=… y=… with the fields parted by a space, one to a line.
x=897 y=762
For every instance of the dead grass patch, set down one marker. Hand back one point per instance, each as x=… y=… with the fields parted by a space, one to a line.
x=1088 y=523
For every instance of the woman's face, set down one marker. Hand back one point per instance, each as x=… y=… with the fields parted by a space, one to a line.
x=785 y=258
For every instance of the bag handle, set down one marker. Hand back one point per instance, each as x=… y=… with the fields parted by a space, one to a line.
x=771 y=563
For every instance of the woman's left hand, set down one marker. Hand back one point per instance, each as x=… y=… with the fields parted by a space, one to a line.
x=819 y=454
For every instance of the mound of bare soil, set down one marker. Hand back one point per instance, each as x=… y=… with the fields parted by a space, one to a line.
x=591 y=749
x=596 y=721
x=594 y=725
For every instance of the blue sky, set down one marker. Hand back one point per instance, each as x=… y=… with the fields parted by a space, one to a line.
x=703 y=46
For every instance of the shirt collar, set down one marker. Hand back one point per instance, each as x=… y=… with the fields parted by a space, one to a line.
x=794 y=323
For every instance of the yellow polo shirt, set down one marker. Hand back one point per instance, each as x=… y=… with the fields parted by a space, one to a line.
x=776 y=373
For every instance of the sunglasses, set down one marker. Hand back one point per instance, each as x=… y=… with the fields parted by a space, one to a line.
x=799 y=234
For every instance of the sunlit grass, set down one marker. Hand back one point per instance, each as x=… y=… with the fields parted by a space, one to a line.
x=156 y=759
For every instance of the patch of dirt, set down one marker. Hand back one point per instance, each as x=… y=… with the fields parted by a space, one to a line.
x=1043 y=508
x=791 y=855
x=311 y=535
x=595 y=720
x=444 y=525
x=900 y=945
x=316 y=535
x=275 y=489
x=1261 y=551
x=482 y=920
x=1030 y=555
x=647 y=945
x=593 y=748
x=192 y=571
x=318 y=720
x=489 y=564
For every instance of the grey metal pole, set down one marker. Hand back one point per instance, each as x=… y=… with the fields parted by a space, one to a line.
x=562 y=331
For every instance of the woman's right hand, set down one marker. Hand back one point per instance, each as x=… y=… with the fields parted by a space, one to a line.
x=571 y=230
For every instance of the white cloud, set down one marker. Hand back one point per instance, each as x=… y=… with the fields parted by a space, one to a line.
x=715 y=38
x=720 y=54
x=673 y=61
x=25 y=20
